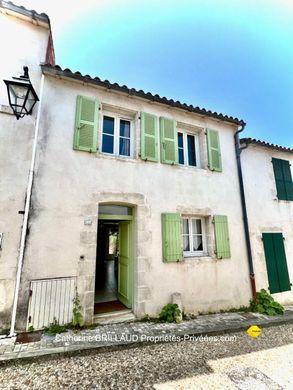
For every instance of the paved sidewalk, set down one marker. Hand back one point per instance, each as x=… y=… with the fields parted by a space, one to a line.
x=141 y=332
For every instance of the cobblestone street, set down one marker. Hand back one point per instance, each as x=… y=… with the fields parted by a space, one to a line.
x=236 y=362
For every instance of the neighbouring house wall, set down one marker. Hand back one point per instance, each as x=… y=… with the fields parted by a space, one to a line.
x=266 y=214
x=69 y=185
x=22 y=43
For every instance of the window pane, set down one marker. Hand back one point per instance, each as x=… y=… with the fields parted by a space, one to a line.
x=124 y=147
x=114 y=209
x=186 y=246
x=191 y=150
x=197 y=243
x=124 y=128
x=108 y=143
x=185 y=226
x=108 y=125
x=181 y=156
x=180 y=148
x=196 y=226
x=180 y=140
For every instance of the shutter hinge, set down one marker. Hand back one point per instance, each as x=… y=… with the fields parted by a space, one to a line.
x=30 y=292
x=30 y=319
x=20 y=211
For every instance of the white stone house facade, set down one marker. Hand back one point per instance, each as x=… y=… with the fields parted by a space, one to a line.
x=158 y=176
x=25 y=44
x=269 y=198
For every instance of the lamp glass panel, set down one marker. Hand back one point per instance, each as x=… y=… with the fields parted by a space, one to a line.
x=17 y=96
x=30 y=101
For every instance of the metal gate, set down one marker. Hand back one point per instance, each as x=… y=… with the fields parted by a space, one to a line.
x=49 y=299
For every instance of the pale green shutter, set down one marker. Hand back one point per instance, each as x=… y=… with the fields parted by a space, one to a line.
x=169 y=143
x=149 y=137
x=222 y=237
x=214 y=152
x=171 y=237
x=86 y=124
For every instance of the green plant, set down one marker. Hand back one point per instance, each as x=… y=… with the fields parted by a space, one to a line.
x=55 y=328
x=264 y=303
x=146 y=318
x=170 y=313
x=77 y=318
x=31 y=329
x=245 y=309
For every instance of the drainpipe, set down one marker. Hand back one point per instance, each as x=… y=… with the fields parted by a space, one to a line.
x=238 y=151
x=26 y=215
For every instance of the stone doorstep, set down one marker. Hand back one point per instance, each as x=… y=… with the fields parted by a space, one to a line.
x=192 y=328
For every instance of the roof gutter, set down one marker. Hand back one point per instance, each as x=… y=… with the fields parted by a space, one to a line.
x=238 y=151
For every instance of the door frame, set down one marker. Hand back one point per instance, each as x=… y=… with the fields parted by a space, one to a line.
x=121 y=218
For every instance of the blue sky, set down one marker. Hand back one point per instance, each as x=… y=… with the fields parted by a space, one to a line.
x=229 y=56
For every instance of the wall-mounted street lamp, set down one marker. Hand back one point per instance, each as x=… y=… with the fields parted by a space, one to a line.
x=21 y=94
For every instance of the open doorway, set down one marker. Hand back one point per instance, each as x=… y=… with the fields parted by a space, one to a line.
x=113 y=287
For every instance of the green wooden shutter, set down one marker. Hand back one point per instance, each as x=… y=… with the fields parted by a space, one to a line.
x=171 y=237
x=149 y=137
x=280 y=183
x=283 y=274
x=86 y=124
x=288 y=180
x=222 y=237
x=272 y=270
x=169 y=143
x=276 y=262
x=214 y=152
x=283 y=179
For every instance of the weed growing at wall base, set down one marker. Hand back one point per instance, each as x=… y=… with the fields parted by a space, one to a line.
x=264 y=303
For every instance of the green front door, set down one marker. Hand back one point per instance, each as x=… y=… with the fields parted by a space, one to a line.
x=125 y=263
x=276 y=262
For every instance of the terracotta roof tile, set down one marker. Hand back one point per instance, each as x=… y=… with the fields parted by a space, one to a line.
x=254 y=141
x=57 y=70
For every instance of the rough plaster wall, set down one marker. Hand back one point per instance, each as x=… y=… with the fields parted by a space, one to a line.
x=265 y=212
x=27 y=47
x=69 y=185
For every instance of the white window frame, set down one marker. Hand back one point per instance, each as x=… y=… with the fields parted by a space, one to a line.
x=185 y=148
x=191 y=253
x=116 y=145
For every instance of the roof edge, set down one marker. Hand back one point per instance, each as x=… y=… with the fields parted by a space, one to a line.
x=13 y=8
x=58 y=71
x=248 y=141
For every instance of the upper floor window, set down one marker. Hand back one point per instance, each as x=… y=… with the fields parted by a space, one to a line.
x=193 y=234
x=117 y=136
x=188 y=150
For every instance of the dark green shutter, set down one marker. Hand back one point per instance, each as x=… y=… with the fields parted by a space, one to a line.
x=283 y=179
x=276 y=262
x=86 y=124
x=288 y=180
x=171 y=237
x=169 y=143
x=149 y=137
x=214 y=152
x=222 y=237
